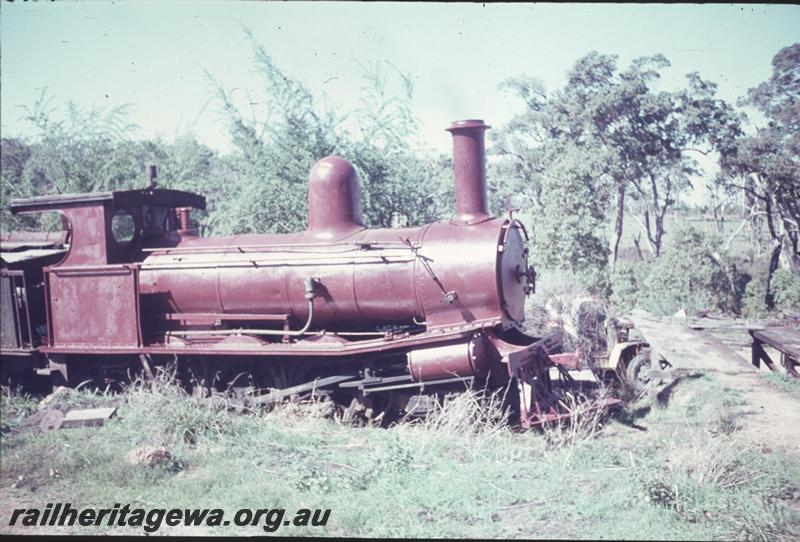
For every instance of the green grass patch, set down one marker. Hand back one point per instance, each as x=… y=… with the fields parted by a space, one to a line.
x=785 y=382
x=14 y=408
x=460 y=473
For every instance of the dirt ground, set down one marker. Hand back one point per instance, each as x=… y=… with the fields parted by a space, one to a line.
x=771 y=418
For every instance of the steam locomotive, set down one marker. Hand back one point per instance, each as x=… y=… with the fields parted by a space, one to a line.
x=372 y=317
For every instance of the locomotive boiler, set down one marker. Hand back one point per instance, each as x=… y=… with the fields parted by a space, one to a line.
x=359 y=313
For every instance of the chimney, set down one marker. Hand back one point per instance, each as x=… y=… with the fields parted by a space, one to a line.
x=469 y=166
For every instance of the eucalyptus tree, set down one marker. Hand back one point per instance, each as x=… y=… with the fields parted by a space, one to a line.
x=640 y=138
x=766 y=163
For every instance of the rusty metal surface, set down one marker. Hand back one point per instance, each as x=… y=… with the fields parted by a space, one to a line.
x=530 y=366
x=94 y=307
x=33 y=254
x=334 y=199
x=89 y=219
x=248 y=345
x=513 y=273
x=10 y=320
x=13 y=242
x=568 y=360
x=468 y=358
x=244 y=278
x=23 y=299
x=470 y=170
x=370 y=277
x=119 y=198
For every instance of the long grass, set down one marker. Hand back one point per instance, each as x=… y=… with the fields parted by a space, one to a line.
x=460 y=472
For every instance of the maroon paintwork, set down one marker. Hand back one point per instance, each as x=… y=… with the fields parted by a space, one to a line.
x=334 y=199
x=470 y=170
x=450 y=288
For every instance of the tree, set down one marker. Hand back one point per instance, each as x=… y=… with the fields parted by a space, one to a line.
x=79 y=151
x=14 y=154
x=565 y=234
x=267 y=189
x=690 y=275
x=398 y=178
x=261 y=187
x=765 y=165
x=278 y=144
x=644 y=136
x=558 y=176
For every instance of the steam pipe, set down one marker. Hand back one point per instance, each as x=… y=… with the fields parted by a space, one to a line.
x=469 y=167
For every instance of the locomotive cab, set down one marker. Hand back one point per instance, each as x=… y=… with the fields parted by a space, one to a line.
x=111 y=227
x=92 y=294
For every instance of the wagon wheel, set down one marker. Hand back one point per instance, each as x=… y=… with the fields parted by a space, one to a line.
x=636 y=374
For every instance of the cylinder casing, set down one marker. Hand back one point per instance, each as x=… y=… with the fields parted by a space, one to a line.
x=461 y=359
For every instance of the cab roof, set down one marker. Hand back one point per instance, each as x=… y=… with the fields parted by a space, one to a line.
x=156 y=197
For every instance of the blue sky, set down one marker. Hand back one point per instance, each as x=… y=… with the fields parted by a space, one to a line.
x=152 y=55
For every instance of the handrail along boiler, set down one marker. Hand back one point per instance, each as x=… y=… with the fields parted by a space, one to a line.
x=363 y=313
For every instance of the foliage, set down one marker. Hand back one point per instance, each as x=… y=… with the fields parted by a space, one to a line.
x=267 y=191
x=578 y=158
x=637 y=138
x=276 y=151
x=93 y=150
x=692 y=275
x=14 y=408
x=785 y=288
x=753 y=305
x=460 y=473
x=765 y=165
x=784 y=382
x=76 y=154
x=625 y=285
x=262 y=187
x=565 y=232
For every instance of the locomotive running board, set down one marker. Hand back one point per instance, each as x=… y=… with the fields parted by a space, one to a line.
x=250 y=346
